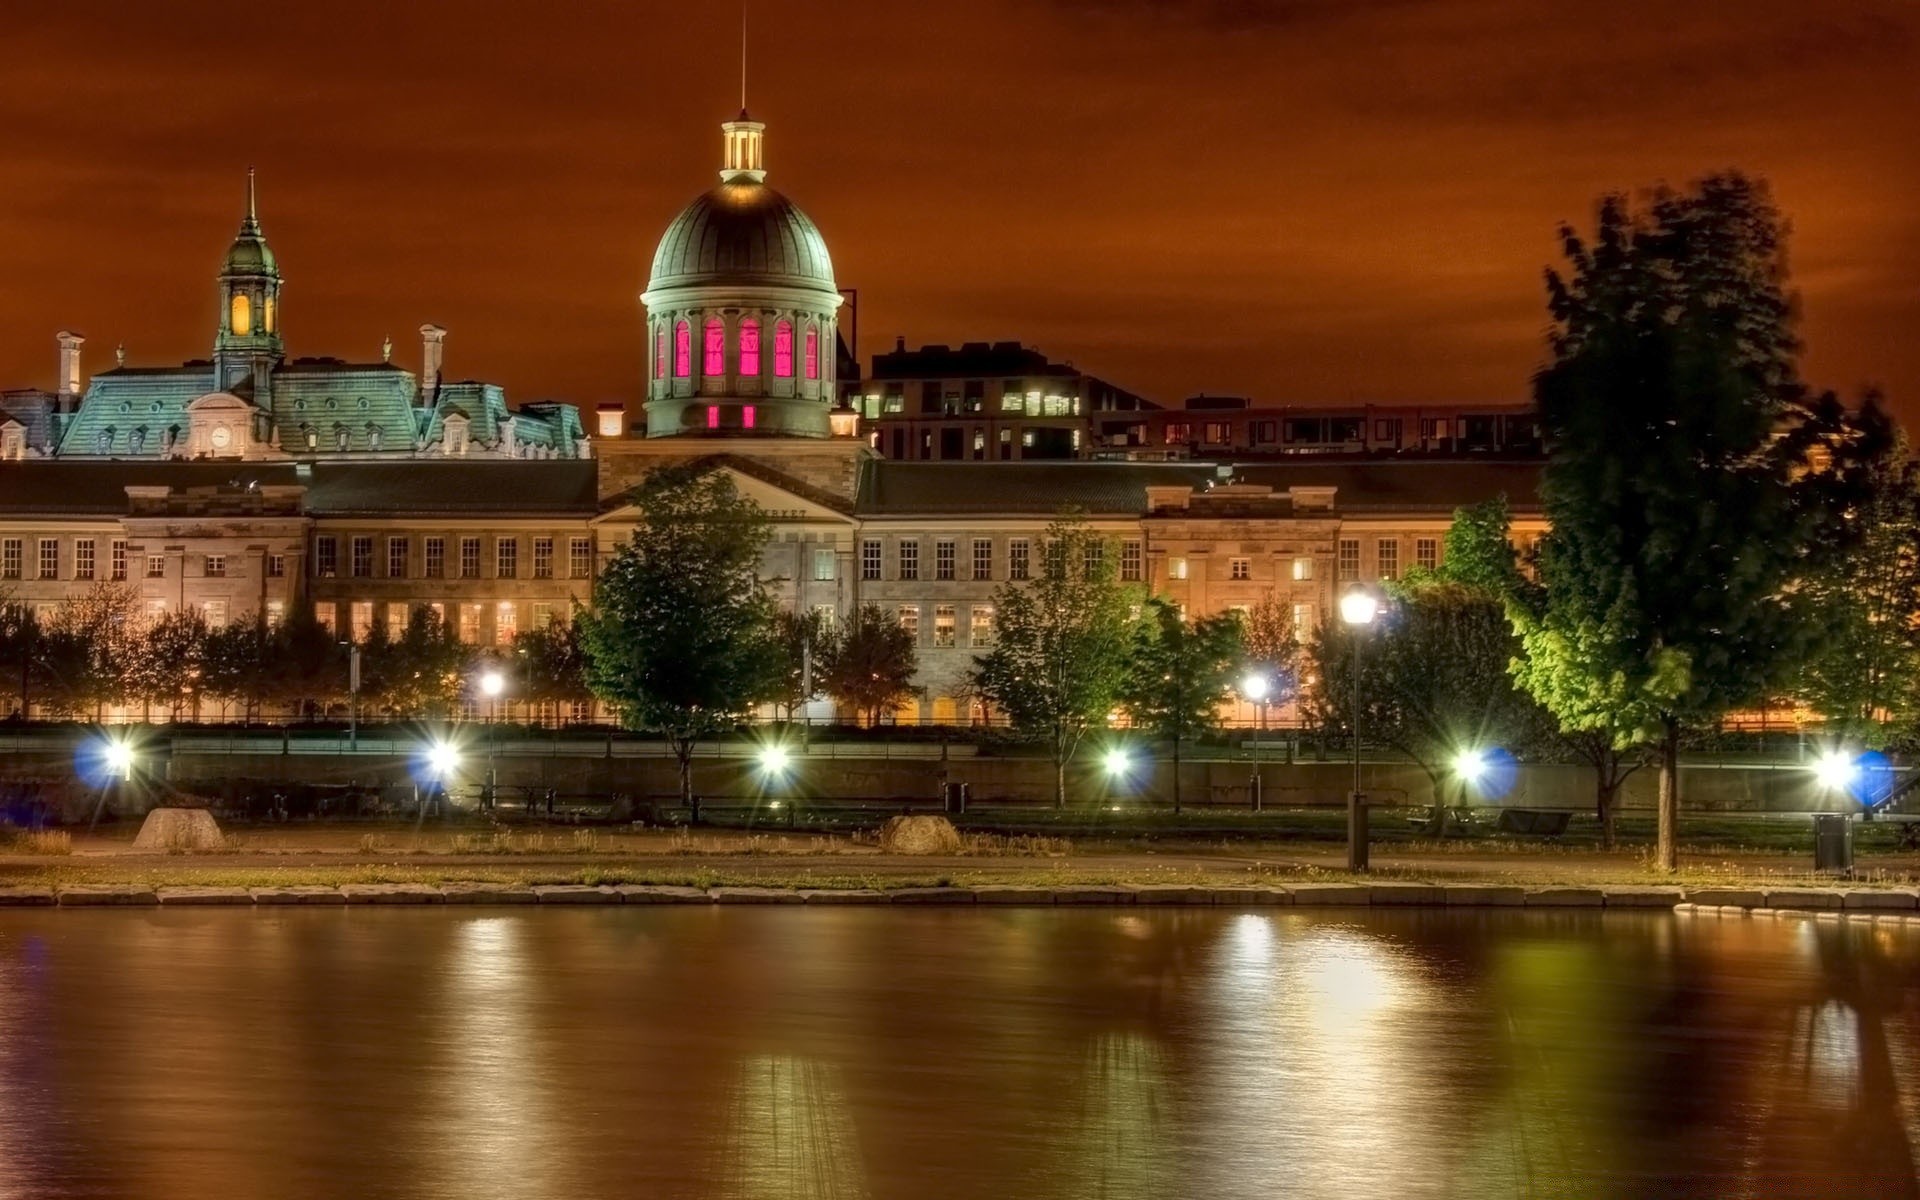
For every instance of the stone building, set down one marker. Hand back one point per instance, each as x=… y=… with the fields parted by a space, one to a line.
x=247 y=484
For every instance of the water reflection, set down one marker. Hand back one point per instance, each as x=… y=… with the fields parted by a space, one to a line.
x=723 y=1054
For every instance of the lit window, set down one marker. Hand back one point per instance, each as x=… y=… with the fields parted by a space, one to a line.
x=982 y=625
x=783 y=349
x=470 y=624
x=325 y=616
x=943 y=621
x=242 y=315
x=716 y=357
x=813 y=352
x=267 y=309
x=396 y=618
x=1302 y=569
x=713 y=416
x=276 y=613
x=506 y=625
x=909 y=616
x=660 y=354
x=1177 y=568
x=362 y=617
x=746 y=417
x=750 y=347
x=580 y=558
x=682 y=350
x=1239 y=568
x=823 y=571
x=1302 y=620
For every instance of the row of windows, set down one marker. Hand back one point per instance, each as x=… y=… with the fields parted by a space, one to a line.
x=1426 y=556
x=13 y=553
x=361 y=619
x=945 y=628
x=980 y=564
x=746 y=350
x=434 y=565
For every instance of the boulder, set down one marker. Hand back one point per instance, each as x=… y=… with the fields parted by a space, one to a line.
x=179 y=831
x=919 y=835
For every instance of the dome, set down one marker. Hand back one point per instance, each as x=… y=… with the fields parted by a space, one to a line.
x=742 y=232
x=249 y=255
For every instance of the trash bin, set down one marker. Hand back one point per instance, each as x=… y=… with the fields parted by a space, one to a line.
x=1833 y=842
x=956 y=796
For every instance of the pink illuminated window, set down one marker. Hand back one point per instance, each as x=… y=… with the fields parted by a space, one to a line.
x=660 y=355
x=682 y=350
x=746 y=417
x=750 y=347
x=783 y=349
x=716 y=356
x=713 y=416
x=813 y=352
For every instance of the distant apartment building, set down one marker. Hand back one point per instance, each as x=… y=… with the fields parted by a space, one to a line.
x=985 y=402
x=1216 y=426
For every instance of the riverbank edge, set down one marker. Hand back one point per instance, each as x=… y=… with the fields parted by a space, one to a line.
x=1894 y=904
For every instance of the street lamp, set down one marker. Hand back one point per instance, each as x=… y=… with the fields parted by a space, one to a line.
x=1357 y=608
x=443 y=759
x=1255 y=686
x=775 y=764
x=1837 y=771
x=119 y=758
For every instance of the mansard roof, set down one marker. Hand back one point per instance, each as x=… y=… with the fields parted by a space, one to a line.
x=900 y=489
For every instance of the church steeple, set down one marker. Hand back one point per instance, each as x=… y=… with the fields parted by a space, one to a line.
x=247 y=344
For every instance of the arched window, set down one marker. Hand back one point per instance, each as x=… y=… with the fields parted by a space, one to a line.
x=750 y=348
x=783 y=349
x=660 y=354
x=714 y=364
x=813 y=351
x=682 y=350
x=266 y=312
x=242 y=319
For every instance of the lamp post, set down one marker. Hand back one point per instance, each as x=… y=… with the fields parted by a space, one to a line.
x=775 y=765
x=492 y=683
x=1255 y=687
x=1357 y=608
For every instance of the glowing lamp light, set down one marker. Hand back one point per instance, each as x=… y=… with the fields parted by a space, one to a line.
x=493 y=683
x=1359 y=607
x=775 y=760
x=1837 y=771
x=443 y=758
x=1118 y=762
x=1471 y=765
x=1254 y=687
x=119 y=759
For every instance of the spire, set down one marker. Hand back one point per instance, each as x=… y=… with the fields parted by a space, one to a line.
x=252 y=224
x=746 y=156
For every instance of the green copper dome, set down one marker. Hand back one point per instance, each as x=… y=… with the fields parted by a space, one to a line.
x=742 y=232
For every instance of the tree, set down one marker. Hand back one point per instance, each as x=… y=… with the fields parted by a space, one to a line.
x=1480 y=555
x=20 y=650
x=90 y=649
x=802 y=639
x=871 y=666
x=1272 y=646
x=418 y=671
x=1179 y=675
x=556 y=666
x=1676 y=525
x=312 y=663
x=679 y=638
x=1433 y=679
x=1061 y=644
x=167 y=661
x=1864 y=582
x=239 y=665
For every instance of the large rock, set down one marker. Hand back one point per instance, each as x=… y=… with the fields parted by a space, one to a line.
x=919 y=835
x=179 y=831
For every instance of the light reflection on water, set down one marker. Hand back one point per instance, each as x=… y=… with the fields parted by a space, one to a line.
x=733 y=1054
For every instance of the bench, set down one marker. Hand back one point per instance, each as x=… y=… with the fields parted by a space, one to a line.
x=1426 y=820
x=1538 y=822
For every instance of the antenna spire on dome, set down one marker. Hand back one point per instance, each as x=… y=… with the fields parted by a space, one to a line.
x=252 y=222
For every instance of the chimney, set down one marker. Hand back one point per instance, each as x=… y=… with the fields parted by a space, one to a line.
x=69 y=385
x=610 y=420
x=432 y=341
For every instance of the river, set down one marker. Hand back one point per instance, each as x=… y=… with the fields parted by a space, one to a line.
x=801 y=1053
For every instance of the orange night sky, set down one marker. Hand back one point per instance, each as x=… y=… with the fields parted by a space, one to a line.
x=1302 y=200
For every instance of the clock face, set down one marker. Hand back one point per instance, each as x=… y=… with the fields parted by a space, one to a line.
x=221 y=437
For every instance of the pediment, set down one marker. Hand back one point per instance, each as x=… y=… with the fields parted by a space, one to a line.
x=214 y=402
x=781 y=505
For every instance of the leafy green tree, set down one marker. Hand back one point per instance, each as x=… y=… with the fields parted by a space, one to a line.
x=803 y=640
x=1433 y=679
x=1271 y=645
x=418 y=671
x=91 y=649
x=1676 y=525
x=168 y=658
x=239 y=665
x=1062 y=642
x=555 y=663
x=1179 y=675
x=1864 y=584
x=312 y=664
x=871 y=666
x=679 y=638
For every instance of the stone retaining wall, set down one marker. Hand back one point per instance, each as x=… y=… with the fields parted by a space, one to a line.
x=1901 y=904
